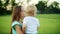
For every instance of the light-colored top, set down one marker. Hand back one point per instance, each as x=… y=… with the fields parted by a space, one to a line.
x=32 y=24
x=13 y=26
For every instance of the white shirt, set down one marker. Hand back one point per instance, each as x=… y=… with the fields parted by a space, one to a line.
x=32 y=23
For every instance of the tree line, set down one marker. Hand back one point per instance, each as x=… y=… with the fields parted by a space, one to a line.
x=41 y=7
x=52 y=9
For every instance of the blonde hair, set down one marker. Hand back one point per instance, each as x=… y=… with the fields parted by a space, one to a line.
x=31 y=10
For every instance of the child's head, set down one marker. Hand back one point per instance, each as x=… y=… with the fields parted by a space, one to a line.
x=17 y=13
x=31 y=10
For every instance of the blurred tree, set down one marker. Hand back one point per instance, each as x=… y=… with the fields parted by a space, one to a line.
x=41 y=6
x=3 y=7
x=1 y=4
x=6 y=3
x=54 y=8
x=13 y=3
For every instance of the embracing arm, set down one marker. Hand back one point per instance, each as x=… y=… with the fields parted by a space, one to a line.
x=24 y=28
x=18 y=29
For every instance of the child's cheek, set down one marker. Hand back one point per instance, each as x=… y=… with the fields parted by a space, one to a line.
x=22 y=15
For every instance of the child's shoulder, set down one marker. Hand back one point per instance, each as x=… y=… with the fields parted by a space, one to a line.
x=14 y=23
x=36 y=18
x=27 y=17
x=32 y=18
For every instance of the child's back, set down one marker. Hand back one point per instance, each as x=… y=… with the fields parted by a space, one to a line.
x=32 y=24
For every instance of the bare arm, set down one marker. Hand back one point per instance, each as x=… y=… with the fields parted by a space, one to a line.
x=24 y=28
x=18 y=29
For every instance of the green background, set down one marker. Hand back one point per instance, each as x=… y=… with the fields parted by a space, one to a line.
x=49 y=24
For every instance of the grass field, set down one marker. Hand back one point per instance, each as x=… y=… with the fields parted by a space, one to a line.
x=50 y=24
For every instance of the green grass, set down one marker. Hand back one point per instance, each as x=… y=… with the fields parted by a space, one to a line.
x=49 y=24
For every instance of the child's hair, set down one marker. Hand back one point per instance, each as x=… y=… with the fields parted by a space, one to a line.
x=31 y=10
x=16 y=14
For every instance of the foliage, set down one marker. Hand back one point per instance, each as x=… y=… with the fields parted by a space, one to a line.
x=53 y=8
x=3 y=7
x=41 y=6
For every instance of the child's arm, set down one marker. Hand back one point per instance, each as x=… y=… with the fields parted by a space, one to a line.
x=24 y=25
x=18 y=29
x=24 y=28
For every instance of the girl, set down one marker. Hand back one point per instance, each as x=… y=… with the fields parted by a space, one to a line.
x=30 y=23
x=17 y=15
